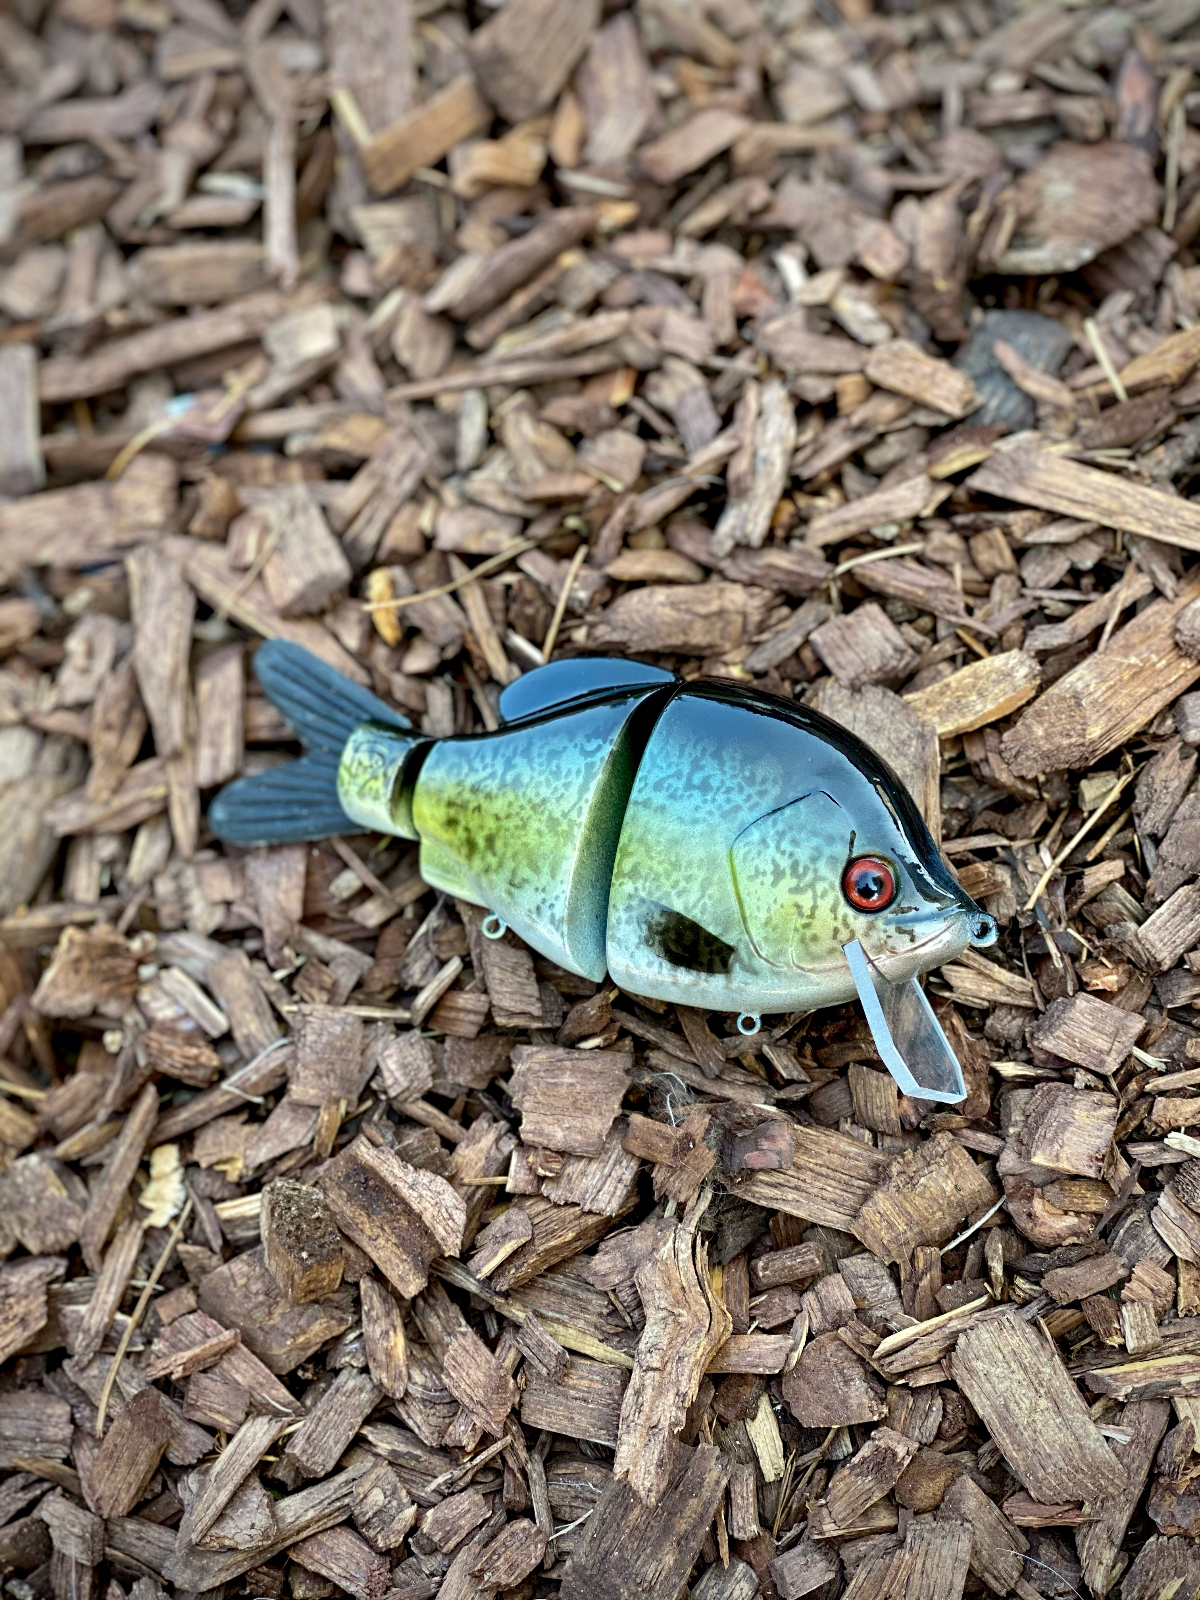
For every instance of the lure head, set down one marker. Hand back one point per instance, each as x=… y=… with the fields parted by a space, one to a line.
x=850 y=859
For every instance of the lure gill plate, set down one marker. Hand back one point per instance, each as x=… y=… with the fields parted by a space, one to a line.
x=702 y=843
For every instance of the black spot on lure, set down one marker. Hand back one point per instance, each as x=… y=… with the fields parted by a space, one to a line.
x=703 y=843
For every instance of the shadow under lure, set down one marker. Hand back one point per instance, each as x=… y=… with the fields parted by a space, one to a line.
x=702 y=843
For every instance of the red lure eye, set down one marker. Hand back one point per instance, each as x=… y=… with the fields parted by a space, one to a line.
x=869 y=884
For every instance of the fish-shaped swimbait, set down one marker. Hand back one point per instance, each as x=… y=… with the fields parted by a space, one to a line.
x=702 y=843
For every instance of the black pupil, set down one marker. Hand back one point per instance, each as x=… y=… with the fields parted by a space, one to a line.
x=869 y=883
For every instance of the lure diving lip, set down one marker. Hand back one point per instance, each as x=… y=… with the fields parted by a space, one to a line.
x=701 y=843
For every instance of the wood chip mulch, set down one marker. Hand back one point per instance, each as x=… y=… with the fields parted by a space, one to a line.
x=847 y=347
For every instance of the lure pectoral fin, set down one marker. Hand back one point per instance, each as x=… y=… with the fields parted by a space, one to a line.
x=907 y=1035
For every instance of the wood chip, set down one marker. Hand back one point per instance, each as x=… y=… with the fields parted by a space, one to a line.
x=1034 y=1412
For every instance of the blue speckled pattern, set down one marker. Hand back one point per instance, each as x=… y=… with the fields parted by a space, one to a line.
x=525 y=821
x=742 y=821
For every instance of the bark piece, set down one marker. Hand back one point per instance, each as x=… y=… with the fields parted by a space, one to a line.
x=24 y=1303
x=332 y=1062
x=246 y=1523
x=297 y=1516
x=511 y=983
x=37 y=1207
x=1172 y=929
x=705 y=134
x=130 y=1453
x=929 y=380
x=1085 y=1030
x=34 y=1424
x=568 y=1098
x=511 y=1557
x=932 y=1565
x=1099 y=1542
x=479 y=1382
x=498 y=1240
x=830 y=1387
x=685 y=1326
x=301 y=1246
x=918 y=496
x=89 y=968
x=584 y=1403
x=22 y=469
x=868 y=1477
x=830 y=1179
x=515 y=263
x=383 y=1512
x=632 y=1550
x=346 y=1560
x=524 y=54
x=119 y=1262
x=402 y=1217
x=615 y=85
x=863 y=646
x=1078 y=200
x=793 y=1265
x=370 y=49
x=559 y=1232
x=112 y=1190
x=384 y=1338
x=1162 y=1567
x=695 y=619
x=420 y=137
x=1034 y=1412
x=25 y=1544
x=927 y=1193
x=1097 y=1273
x=978 y=694
x=232 y=1467
x=1107 y=698
x=306 y=567
x=746 y=519
x=71 y=527
x=251 y=1021
x=449 y=1522
x=997 y=1545
x=1070 y=1130
x=314 y=1449
x=242 y=1294
x=804 y=1569
x=405 y=1063
x=74 y=1531
x=1037 y=477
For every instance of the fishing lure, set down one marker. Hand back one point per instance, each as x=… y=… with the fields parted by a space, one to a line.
x=702 y=843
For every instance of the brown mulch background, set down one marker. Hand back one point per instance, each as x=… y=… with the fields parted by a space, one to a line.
x=847 y=349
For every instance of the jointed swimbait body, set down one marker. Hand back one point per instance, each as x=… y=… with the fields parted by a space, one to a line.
x=701 y=843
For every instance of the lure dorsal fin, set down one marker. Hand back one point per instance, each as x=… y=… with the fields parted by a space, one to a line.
x=321 y=703
x=560 y=682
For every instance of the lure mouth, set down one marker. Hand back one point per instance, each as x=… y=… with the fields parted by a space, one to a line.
x=909 y=1038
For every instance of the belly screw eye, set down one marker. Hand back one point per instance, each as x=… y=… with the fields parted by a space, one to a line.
x=493 y=927
x=748 y=1023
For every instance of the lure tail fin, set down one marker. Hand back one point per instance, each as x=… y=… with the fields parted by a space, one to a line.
x=299 y=801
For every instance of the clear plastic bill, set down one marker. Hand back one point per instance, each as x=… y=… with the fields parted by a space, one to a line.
x=907 y=1035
